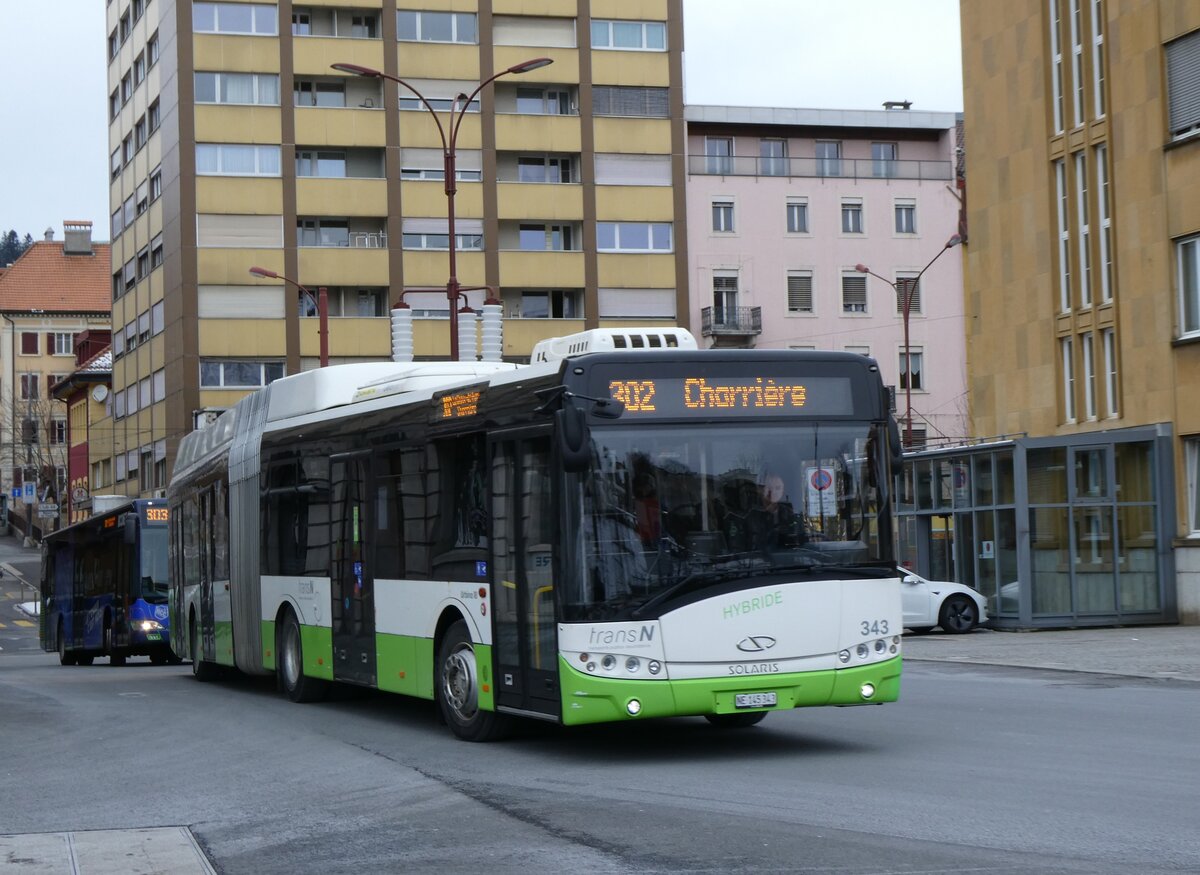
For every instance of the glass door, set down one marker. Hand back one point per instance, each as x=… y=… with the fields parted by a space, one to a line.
x=352 y=609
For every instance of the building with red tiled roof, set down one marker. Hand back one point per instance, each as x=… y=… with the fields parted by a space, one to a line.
x=53 y=292
x=86 y=394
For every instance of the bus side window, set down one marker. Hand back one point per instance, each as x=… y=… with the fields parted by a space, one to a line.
x=389 y=516
x=462 y=524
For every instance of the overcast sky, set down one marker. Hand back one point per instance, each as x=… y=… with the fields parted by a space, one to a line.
x=844 y=54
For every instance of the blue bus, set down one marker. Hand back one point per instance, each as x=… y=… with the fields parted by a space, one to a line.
x=104 y=586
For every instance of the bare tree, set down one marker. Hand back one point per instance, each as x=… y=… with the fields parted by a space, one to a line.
x=35 y=440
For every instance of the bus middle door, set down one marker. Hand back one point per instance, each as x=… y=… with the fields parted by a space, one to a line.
x=352 y=583
x=523 y=538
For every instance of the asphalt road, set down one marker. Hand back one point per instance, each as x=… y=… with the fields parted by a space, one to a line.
x=977 y=769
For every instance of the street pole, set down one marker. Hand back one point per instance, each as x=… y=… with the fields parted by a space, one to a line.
x=322 y=298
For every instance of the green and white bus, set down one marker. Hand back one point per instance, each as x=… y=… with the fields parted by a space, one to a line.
x=583 y=539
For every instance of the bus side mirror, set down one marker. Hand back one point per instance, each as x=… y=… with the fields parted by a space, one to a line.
x=129 y=531
x=894 y=445
x=573 y=440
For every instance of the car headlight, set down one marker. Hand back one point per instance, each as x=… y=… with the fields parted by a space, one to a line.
x=147 y=625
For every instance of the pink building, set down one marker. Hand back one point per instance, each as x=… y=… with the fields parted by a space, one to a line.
x=783 y=204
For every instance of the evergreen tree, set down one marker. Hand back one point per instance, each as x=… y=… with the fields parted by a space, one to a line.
x=11 y=247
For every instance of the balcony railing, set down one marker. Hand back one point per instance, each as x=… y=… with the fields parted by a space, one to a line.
x=833 y=168
x=730 y=320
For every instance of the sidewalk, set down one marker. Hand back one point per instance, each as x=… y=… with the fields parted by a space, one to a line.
x=1160 y=652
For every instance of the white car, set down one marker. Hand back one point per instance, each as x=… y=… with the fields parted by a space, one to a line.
x=928 y=603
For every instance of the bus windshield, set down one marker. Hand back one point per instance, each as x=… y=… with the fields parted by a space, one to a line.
x=153 y=583
x=667 y=508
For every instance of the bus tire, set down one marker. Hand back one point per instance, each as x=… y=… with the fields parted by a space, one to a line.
x=201 y=670
x=736 y=721
x=84 y=660
x=64 y=657
x=456 y=688
x=114 y=657
x=290 y=650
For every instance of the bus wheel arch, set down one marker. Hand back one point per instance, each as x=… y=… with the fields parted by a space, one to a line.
x=289 y=661
x=456 y=683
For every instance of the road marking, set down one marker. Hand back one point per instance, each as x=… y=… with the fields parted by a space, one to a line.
x=22 y=622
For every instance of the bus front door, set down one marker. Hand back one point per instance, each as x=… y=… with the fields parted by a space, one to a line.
x=351 y=578
x=523 y=539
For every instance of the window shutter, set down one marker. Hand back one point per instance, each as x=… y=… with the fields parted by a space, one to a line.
x=854 y=294
x=914 y=302
x=1183 y=83
x=799 y=292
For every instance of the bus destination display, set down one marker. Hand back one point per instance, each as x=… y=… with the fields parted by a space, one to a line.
x=158 y=514
x=707 y=396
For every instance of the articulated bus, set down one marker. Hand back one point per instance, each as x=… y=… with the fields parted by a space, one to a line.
x=104 y=586
x=626 y=528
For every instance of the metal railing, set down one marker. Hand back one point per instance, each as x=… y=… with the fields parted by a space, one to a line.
x=819 y=168
x=730 y=320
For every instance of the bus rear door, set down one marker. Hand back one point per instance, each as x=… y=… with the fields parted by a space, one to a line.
x=352 y=582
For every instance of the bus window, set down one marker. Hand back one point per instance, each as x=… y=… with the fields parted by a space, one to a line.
x=462 y=528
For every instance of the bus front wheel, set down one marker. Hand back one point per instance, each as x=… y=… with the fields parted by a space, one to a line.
x=290 y=650
x=201 y=670
x=114 y=657
x=456 y=686
x=64 y=658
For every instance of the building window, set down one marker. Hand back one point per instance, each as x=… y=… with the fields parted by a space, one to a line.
x=1183 y=84
x=1102 y=199
x=544 y=101
x=314 y=163
x=139 y=133
x=773 y=157
x=883 y=159
x=854 y=293
x=797 y=216
x=139 y=6
x=1081 y=208
x=541 y=168
x=139 y=69
x=1191 y=448
x=62 y=343
x=829 y=158
x=1108 y=339
x=441 y=240
x=143 y=262
x=718 y=153
x=228 y=159
x=58 y=432
x=1064 y=238
x=156 y=251
x=157 y=321
x=545 y=238
x=1098 y=57
x=159 y=382
x=906 y=216
x=852 y=216
x=238 y=88
x=1089 y=377
x=310 y=92
x=155 y=184
x=1068 y=372
x=115 y=162
x=1055 y=20
x=152 y=50
x=1187 y=255
x=725 y=298
x=645 y=36
x=552 y=304
x=130 y=210
x=908 y=284
x=1077 y=61
x=364 y=27
x=127 y=148
x=630 y=101
x=125 y=25
x=143 y=197
x=800 y=291
x=29 y=343
x=243 y=18
x=323 y=232
x=436 y=27
x=434 y=97
x=152 y=117
x=633 y=237
x=722 y=216
x=224 y=373
x=912 y=370
x=114 y=104
x=126 y=88
x=29 y=386
x=114 y=44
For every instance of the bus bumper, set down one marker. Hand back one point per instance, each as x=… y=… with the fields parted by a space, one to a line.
x=590 y=699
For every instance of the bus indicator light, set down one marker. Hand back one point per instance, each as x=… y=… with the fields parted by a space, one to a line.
x=110 y=523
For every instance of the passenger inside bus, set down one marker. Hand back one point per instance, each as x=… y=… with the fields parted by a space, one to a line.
x=772 y=522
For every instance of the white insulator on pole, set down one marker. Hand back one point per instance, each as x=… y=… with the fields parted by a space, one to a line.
x=493 y=333
x=466 y=336
x=402 y=334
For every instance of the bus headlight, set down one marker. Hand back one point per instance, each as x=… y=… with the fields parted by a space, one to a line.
x=633 y=664
x=147 y=625
x=634 y=707
x=867 y=691
x=863 y=651
x=609 y=661
x=843 y=656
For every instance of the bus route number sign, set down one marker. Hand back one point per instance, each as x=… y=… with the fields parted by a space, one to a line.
x=158 y=515
x=723 y=395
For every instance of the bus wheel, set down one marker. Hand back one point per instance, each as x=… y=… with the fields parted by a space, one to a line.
x=456 y=686
x=201 y=670
x=64 y=658
x=736 y=721
x=84 y=660
x=290 y=651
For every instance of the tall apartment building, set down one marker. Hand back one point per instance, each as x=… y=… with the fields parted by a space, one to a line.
x=1083 y=296
x=784 y=204
x=234 y=144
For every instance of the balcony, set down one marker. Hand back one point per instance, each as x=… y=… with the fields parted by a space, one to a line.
x=728 y=324
x=819 y=168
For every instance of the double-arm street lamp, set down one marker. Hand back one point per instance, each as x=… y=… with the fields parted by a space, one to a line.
x=904 y=287
x=322 y=303
x=449 y=135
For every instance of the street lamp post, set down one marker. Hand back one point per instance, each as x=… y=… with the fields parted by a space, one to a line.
x=904 y=290
x=457 y=111
x=322 y=299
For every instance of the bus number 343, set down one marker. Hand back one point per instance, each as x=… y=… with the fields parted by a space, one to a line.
x=877 y=627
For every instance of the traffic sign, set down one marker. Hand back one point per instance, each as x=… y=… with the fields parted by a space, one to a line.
x=47 y=510
x=30 y=491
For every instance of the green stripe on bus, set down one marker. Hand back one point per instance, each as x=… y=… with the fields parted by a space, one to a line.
x=223 y=639
x=317 y=642
x=404 y=664
x=591 y=699
x=268 y=645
